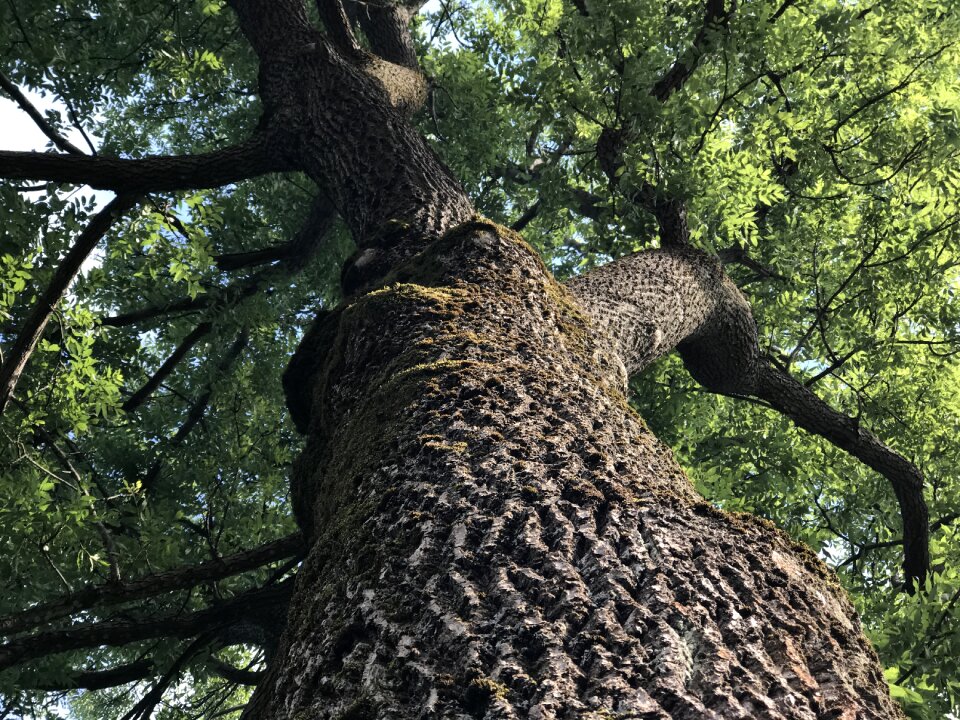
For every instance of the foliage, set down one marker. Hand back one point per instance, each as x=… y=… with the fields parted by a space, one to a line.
x=814 y=142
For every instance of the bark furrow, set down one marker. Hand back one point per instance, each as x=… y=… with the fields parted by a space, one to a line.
x=496 y=534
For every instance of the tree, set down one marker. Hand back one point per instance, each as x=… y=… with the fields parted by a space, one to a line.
x=486 y=525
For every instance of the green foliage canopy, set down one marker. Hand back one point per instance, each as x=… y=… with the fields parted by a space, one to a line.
x=813 y=142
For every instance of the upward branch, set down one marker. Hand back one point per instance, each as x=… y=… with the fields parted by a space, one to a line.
x=30 y=109
x=680 y=297
x=715 y=16
x=387 y=28
x=338 y=26
x=32 y=330
x=670 y=212
x=344 y=121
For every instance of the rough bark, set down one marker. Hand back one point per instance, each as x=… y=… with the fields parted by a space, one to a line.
x=342 y=120
x=679 y=297
x=494 y=533
x=650 y=302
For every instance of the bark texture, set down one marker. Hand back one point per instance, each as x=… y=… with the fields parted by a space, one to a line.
x=492 y=531
x=653 y=301
x=496 y=534
x=680 y=297
x=341 y=118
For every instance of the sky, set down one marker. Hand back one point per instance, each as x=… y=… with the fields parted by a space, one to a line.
x=18 y=132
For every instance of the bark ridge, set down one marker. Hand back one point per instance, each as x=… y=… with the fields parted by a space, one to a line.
x=496 y=534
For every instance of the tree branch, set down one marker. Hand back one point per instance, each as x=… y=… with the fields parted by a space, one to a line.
x=159 y=173
x=864 y=549
x=653 y=301
x=163 y=582
x=122 y=632
x=185 y=346
x=670 y=212
x=32 y=330
x=387 y=28
x=296 y=254
x=650 y=301
x=715 y=16
x=181 y=306
x=240 y=260
x=235 y=674
x=144 y=708
x=199 y=407
x=335 y=19
x=736 y=254
x=528 y=216
x=30 y=109
x=790 y=397
x=94 y=679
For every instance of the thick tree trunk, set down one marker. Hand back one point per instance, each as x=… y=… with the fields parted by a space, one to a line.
x=493 y=531
x=496 y=534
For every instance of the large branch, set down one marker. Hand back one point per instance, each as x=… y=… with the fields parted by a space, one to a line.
x=680 y=297
x=335 y=19
x=163 y=582
x=93 y=679
x=160 y=173
x=387 y=28
x=649 y=302
x=343 y=119
x=792 y=398
x=715 y=16
x=32 y=330
x=181 y=306
x=121 y=632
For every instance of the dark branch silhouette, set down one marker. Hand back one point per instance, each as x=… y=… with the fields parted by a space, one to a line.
x=32 y=330
x=160 y=173
x=122 y=632
x=162 y=582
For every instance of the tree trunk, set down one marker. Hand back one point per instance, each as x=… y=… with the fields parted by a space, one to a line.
x=493 y=531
